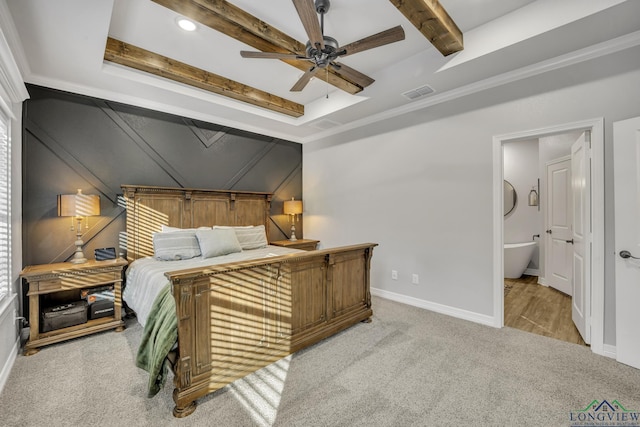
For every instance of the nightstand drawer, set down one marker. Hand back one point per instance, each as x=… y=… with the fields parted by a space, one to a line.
x=82 y=279
x=304 y=244
x=309 y=246
x=75 y=280
x=49 y=285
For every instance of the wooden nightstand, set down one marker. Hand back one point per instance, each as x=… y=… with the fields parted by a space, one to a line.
x=304 y=244
x=64 y=281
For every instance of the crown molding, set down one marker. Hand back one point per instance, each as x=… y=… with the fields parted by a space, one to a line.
x=11 y=81
x=592 y=52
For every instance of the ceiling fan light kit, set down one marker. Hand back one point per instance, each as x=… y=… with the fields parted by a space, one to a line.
x=323 y=57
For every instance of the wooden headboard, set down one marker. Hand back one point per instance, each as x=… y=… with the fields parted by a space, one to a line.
x=149 y=208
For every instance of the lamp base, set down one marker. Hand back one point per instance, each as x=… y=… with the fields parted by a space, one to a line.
x=78 y=256
x=293 y=233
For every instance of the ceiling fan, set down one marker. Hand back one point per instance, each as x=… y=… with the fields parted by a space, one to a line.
x=323 y=51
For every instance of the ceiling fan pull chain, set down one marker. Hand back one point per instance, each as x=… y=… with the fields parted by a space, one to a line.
x=327 y=70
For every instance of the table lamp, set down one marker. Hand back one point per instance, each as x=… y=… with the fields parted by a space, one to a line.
x=77 y=206
x=293 y=208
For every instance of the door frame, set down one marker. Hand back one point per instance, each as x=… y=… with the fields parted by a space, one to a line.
x=596 y=126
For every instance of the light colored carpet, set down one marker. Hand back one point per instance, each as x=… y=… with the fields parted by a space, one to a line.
x=409 y=367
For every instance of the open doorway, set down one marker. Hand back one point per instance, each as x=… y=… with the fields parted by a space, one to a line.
x=537 y=236
x=593 y=299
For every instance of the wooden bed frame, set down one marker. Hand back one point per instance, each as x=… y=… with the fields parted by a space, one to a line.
x=236 y=318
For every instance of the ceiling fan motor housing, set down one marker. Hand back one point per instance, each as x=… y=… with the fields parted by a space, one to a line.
x=322 y=57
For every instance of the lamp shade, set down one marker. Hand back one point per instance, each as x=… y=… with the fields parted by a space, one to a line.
x=78 y=204
x=293 y=207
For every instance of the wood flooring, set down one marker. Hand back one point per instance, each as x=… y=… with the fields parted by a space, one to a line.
x=541 y=310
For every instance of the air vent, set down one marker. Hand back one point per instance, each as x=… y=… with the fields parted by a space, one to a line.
x=418 y=92
x=324 y=124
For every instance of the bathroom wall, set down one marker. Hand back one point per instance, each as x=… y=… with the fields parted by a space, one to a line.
x=555 y=146
x=522 y=171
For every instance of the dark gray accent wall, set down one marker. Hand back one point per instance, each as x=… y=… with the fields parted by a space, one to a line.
x=73 y=141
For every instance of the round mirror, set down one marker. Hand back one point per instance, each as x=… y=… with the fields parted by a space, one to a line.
x=510 y=198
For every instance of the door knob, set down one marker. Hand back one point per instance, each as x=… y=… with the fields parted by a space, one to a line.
x=569 y=241
x=627 y=254
x=548 y=231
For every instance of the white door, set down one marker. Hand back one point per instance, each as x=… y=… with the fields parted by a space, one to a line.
x=559 y=252
x=626 y=159
x=581 y=237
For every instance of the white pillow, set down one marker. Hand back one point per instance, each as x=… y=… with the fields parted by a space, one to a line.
x=175 y=245
x=251 y=237
x=217 y=242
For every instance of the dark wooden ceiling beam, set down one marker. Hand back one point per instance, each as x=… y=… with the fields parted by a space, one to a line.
x=234 y=22
x=433 y=21
x=132 y=56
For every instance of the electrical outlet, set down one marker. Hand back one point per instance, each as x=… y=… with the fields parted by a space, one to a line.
x=394 y=274
x=415 y=279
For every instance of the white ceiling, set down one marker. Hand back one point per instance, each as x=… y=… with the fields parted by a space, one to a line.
x=60 y=44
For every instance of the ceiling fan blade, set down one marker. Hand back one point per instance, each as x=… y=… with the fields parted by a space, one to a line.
x=353 y=75
x=302 y=81
x=391 y=35
x=270 y=55
x=309 y=17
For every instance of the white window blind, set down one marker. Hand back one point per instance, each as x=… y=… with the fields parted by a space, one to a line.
x=5 y=208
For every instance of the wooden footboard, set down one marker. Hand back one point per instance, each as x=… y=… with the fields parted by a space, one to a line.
x=235 y=319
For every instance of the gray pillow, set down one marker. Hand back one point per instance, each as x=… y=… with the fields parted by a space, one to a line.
x=218 y=241
x=175 y=245
x=251 y=237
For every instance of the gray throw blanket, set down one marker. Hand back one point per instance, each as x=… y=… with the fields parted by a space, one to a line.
x=159 y=336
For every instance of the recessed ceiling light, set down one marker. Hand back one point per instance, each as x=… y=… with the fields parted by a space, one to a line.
x=186 y=25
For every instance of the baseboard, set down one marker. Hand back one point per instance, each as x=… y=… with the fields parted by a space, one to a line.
x=8 y=334
x=6 y=369
x=532 y=272
x=609 y=350
x=438 y=308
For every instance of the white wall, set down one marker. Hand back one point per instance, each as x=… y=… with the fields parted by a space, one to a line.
x=556 y=146
x=424 y=192
x=521 y=169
